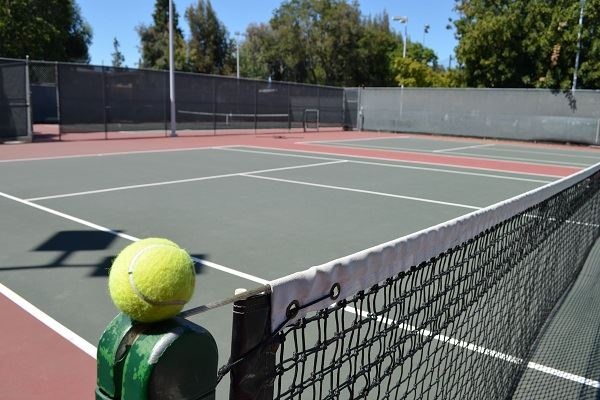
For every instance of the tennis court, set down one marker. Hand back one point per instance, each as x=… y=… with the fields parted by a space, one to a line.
x=252 y=209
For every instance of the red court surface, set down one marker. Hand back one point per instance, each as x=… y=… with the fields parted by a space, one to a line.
x=37 y=363
x=294 y=141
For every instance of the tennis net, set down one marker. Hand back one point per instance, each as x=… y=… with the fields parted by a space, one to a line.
x=233 y=120
x=452 y=311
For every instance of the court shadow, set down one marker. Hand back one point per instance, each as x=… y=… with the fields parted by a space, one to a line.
x=68 y=243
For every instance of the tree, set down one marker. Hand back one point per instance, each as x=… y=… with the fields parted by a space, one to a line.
x=117 y=57
x=155 y=40
x=44 y=29
x=317 y=40
x=258 y=55
x=211 y=51
x=321 y=41
x=422 y=54
x=527 y=43
x=376 y=46
x=420 y=68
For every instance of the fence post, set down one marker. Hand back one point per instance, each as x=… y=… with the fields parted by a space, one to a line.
x=256 y=89
x=56 y=83
x=214 y=105
x=104 y=104
x=28 y=99
x=359 y=110
x=290 y=111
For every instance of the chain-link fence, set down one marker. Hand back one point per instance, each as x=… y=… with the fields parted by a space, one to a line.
x=14 y=101
x=44 y=94
x=107 y=99
x=351 y=104
x=522 y=114
x=122 y=101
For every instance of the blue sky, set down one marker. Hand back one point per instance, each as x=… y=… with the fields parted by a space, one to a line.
x=118 y=18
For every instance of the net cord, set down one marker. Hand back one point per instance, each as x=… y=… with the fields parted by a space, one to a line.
x=366 y=268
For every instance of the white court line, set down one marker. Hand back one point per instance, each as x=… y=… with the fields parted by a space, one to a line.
x=445 y=171
x=122 y=235
x=72 y=337
x=516 y=150
x=233 y=148
x=527 y=160
x=50 y=322
x=479 y=349
x=419 y=199
x=476 y=146
x=479 y=156
x=548 y=153
x=90 y=349
x=113 y=154
x=355 y=140
x=205 y=178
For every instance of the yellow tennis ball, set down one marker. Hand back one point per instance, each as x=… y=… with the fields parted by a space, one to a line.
x=151 y=280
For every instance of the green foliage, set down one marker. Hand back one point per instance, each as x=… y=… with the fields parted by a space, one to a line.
x=117 y=57
x=376 y=45
x=211 y=51
x=44 y=29
x=258 y=55
x=415 y=73
x=420 y=68
x=155 y=40
x=422 y=54
x=321 y=41
x=527 y=43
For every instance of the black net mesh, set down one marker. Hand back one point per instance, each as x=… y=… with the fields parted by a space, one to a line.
x=195 y=102
x=461 y=325
x=42 y=73
x=44 y=92
x=331 y=113
x=351 y=108
x=82 y=99
x=136 y=100
x=13 y=99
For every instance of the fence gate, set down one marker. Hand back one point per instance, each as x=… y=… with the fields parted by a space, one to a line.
x=15 y=123
x=44 y=92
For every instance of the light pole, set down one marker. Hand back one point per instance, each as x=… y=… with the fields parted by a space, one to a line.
x=403 y=20
x=172 y=72
x=425 y=32
x=237 y=52
x=578 y=45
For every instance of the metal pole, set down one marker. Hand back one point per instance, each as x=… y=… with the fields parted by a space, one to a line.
x=402 y=20
x=28 y=100
x=578 y=46
x=172 y=72
x=405 y=33
x=403 y=56
x=237 y=54
x=58 y=112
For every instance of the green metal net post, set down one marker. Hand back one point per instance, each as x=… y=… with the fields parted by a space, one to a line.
x=173 y=359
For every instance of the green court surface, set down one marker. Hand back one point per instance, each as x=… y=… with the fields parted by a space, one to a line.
x=259 y=214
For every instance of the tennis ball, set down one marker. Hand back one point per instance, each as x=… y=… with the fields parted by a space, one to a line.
x=151 y=280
